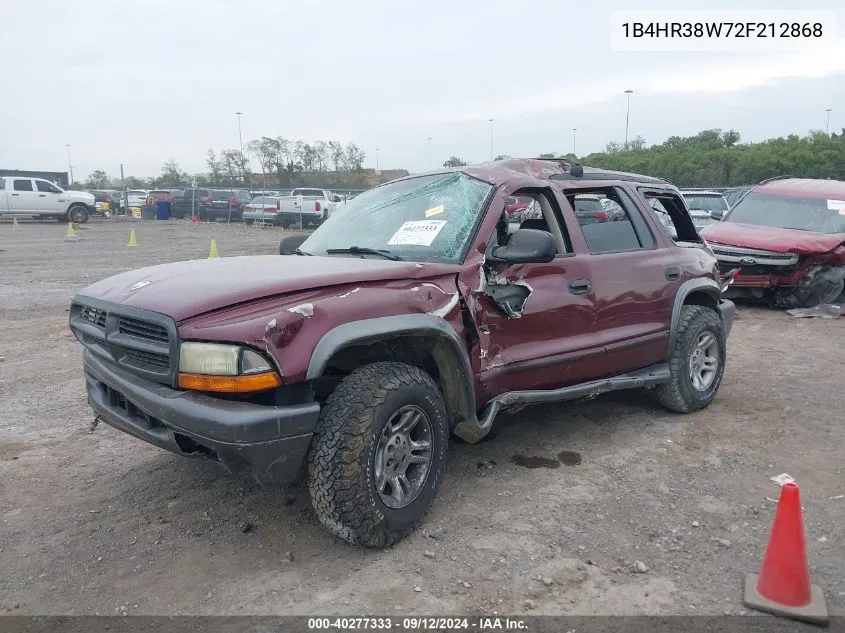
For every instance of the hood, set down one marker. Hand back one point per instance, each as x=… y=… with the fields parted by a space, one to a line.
x=81 y=196
x=190 y=288
x=771 y=238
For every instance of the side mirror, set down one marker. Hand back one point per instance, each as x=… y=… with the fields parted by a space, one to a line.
x=290 y=243
x=527 y=246
x=717 y=214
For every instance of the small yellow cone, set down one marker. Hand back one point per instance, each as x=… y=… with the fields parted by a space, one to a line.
x=70 y=231
x=132 y=240
x=15 y=225
x=213 y=252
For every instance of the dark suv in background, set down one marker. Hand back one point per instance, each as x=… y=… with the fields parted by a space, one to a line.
x=227 y=204
x=192 y=201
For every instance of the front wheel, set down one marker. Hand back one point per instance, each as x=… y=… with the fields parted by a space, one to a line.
x=697 y=361
x=378 y=454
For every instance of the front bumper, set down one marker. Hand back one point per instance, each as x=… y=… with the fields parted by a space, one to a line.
x=269 y=442
x=727 y=310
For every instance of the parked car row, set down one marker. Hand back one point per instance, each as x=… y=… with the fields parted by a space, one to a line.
x=280 y=208
x=277 y=207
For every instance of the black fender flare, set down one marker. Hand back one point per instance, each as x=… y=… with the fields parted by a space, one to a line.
x=448 y=350
x=703 y=284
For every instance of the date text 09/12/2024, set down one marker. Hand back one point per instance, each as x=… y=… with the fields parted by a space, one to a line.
x=417 y=624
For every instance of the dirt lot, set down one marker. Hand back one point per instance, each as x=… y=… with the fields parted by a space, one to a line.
x=98 y=522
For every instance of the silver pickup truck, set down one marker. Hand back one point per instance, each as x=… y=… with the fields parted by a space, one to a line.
x=39 y=198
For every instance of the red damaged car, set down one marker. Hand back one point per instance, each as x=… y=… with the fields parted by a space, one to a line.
x=787 y=237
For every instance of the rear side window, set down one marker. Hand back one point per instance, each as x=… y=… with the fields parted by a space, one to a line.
x=672 y=214
x=609 y=220
x=22 y=185
x=2 y=183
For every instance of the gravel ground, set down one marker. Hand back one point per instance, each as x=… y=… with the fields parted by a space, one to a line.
x=606 y=507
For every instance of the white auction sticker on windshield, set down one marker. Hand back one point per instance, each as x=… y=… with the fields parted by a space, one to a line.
x=836 y=205
x=417 y=233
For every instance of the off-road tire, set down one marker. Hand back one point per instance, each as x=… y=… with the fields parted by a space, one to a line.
x=341 y=476
x=678 y=394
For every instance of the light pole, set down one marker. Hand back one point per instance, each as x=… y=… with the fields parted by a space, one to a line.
x=575 y=129
x=69 y=164
x=827 y=127
x=491 y=138
x=241 y=141
x=376 y=159
x=627 y=116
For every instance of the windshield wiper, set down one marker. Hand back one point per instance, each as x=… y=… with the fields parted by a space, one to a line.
x=361 y=250
x=300 y=252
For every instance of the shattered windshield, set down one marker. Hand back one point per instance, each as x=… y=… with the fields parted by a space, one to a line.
x=427 y=218
x=790 y=212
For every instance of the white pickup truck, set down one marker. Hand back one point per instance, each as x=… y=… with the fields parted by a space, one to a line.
x=317 y=205
x=39 y=198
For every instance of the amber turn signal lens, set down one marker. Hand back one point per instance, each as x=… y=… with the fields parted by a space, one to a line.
x=230 y=384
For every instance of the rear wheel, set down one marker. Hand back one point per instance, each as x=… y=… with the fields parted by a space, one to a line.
x=77 y=214
x=378 y=454
x=697 y=361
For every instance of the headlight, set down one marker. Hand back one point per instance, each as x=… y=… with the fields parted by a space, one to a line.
x=224 y=368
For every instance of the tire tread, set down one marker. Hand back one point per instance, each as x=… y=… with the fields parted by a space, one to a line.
x=338 y=491
x=672 y=395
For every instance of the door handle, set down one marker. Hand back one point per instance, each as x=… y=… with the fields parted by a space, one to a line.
x=42 y=195
x=580 y=286
x=16 y=194
x=672 y=274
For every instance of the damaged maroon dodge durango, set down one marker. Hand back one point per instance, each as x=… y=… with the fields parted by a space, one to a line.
x=418 y=311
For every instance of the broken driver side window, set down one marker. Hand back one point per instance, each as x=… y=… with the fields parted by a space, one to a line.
x=673 y=216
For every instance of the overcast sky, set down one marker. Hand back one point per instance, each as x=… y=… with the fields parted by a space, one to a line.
x=149 y=80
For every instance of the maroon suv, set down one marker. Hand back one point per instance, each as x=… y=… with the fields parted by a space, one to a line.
x=416 y=312
x=787 y=237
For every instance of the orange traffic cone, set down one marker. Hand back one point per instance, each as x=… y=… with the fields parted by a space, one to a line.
x=783 y=584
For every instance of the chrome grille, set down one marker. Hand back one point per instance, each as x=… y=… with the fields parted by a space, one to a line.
x=721 y=249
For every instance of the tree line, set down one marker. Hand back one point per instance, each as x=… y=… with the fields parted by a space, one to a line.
x=711 y=158
x=287 y=163
x=717 y=158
